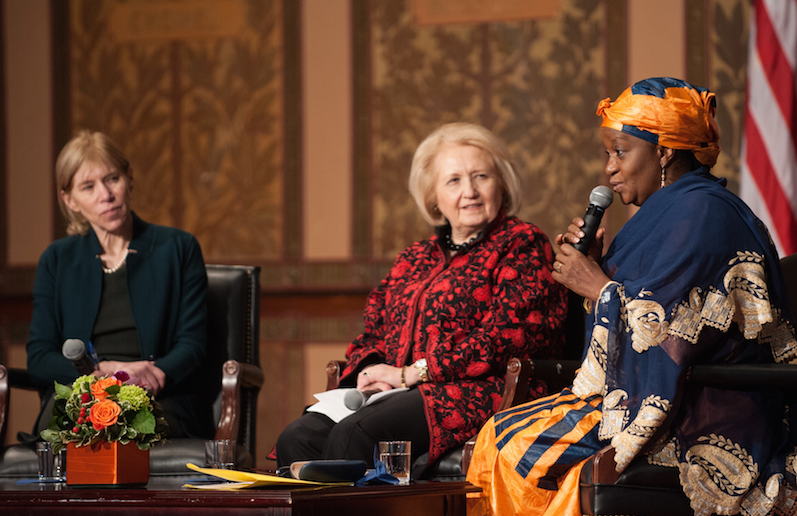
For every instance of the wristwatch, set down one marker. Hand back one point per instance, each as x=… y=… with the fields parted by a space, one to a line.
x=423 y=370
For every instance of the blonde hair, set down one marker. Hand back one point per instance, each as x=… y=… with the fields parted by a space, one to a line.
x=423 y=174
x=86 y=147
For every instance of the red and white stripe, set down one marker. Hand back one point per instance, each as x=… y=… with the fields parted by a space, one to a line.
x=769 y=149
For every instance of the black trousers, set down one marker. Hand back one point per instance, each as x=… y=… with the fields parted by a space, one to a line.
x=314 y=436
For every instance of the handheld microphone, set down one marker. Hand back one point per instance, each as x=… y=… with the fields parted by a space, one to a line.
x=599 y=199
x=355 y=398
x=75 y=350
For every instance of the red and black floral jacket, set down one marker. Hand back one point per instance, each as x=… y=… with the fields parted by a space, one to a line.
x=467 y=317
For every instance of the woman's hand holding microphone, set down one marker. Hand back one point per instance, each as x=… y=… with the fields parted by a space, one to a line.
x=581 y=274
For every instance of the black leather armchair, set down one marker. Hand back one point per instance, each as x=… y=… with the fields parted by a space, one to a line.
x=233 y=327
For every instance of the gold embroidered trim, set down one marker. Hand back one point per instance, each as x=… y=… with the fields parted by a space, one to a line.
x=746 y=303
x=787 y=501
x=746 y=256
x=647 y=320
x=773 y=486
x=667 y=456
x=615 y=415
x=591 y=377
x=629 y=442
x=686 y=321
x=779 y=335
x=746 y=285
x=757 y=501
x=791 y=461
x=716 y=475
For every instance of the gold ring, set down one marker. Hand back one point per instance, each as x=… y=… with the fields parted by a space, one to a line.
x=559 y=269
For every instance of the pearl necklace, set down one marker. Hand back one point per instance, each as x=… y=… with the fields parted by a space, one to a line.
x=118 y=266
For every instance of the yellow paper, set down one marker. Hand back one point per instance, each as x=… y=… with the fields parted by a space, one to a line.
x=245 y=480
x=233 y=486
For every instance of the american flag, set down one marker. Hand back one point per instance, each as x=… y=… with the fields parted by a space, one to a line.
x=768 y=181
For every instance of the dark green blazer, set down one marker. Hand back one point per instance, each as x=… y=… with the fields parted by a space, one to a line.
x=167 y=283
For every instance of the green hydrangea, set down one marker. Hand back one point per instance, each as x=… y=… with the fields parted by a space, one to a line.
x=135 y=395
x=78 y=383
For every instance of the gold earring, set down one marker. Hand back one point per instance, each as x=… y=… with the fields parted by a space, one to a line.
x=662 y=177
x=436 y=209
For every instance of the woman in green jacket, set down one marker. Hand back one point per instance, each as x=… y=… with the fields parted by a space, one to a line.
x=135 y=290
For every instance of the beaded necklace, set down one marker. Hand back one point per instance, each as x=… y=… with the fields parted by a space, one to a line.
x=111 y=270
x=458 y=247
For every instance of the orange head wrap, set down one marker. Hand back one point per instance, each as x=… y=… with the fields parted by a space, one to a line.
x=668 y=112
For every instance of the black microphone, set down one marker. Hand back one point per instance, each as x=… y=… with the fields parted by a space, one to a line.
x=599 y=199
x=75 y=350
x=355 y=398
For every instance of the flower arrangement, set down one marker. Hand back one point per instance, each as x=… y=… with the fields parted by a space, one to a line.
x=106 y=408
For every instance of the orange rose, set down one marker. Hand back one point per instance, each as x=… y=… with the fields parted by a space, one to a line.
x=98 y=387
x=104 y=413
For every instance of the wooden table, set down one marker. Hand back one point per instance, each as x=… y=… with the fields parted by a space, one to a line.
x=163 y=497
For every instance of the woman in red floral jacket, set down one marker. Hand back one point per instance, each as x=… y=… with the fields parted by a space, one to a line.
x=450 y=314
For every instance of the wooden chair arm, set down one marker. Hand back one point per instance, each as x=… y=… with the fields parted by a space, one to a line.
x=334 y=368
x=3 y=403
x=467 y=453
x=517 y=374
x=603 y=467
x=235 y=375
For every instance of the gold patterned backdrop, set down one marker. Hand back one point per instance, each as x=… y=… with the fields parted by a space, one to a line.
x=534 y=83
x=199 y=108
x=192 y=92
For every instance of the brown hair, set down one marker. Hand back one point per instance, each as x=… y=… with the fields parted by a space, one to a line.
x=86 y=147
x=423 y=175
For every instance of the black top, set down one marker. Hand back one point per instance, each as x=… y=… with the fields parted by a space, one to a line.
x=114 y=335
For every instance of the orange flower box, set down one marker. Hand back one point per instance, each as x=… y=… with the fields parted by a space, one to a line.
x=106 y=463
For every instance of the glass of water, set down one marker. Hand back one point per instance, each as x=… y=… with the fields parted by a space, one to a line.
x=396 y=456
x=52 y=466
x=220 y=453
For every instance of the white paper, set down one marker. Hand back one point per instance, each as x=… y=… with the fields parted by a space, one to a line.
x=330 y=403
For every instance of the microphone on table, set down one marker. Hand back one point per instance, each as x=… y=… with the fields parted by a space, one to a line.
x=75 y=350
x=355 y=398
x=599 y=199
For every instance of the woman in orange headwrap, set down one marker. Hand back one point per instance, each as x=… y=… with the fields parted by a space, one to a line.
x=692 y=278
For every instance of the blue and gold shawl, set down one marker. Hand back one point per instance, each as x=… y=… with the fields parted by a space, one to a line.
x=695 y=279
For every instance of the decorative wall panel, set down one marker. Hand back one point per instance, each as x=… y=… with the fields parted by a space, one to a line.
x=729 y=31
x=192 y=92
x=535 y=83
